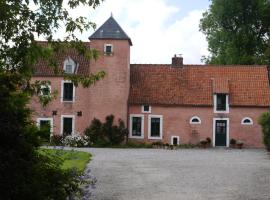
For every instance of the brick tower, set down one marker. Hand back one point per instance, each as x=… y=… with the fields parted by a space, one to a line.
x=110 y=95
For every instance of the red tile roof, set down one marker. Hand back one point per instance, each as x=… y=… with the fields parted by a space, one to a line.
x=43 y=69
x=196 y=84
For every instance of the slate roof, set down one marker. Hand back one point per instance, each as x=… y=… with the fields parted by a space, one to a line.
x=194 y=85
x=43 y=69
x=110 y=30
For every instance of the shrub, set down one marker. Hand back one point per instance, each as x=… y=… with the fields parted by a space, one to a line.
x=76 y=141
x=264 y=121
x=104 y=134
x=56 y=140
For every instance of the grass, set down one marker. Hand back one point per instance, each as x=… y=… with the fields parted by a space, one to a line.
x=71 y=159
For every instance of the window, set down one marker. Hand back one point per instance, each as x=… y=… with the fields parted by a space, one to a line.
x=67 y=125
x=68 y=91
x=155 y=127
x=108 y=49
x=175 y=140
x=247 y=121
x=136 y=126
x=45 y=124
x=45 y=90
x=221 y=103
x=195 y=120
x=146 y=109
x=69 y=66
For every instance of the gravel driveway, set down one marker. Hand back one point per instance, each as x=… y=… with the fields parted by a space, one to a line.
x=218 y=174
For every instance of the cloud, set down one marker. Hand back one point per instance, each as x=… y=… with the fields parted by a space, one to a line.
x=155 y=28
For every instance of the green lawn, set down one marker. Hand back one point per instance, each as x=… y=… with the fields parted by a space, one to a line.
x=70 y=158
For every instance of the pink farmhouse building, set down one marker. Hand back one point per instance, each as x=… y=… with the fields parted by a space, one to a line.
x=173 y=103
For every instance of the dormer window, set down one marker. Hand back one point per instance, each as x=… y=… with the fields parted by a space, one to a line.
x=108 y=49
x=69 y=66
x=221 y=103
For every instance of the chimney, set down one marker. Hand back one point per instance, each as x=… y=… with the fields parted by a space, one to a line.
x=177 y=60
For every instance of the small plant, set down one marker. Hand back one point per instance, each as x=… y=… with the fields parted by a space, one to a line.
x=158 y=144
x=209 y=141
x=239 y=144
x=232 y=142
x=203 y=143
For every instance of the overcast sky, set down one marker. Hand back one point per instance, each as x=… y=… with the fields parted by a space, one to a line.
x=158 y=28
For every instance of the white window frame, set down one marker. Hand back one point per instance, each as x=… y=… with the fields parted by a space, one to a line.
x=46 y=119
x=160 y=126
x=73 y=123
x=71 y=62
x=62 y=91
x=250 y=123
x=227 y=128
x=105 y=45
x=143 y=111
x=178 y=139
x=195 y=117
x=227 y=105
x=45 y=86
x=130 y=126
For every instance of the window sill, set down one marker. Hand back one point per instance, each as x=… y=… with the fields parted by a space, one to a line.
x=155 y=138
x=136 y=137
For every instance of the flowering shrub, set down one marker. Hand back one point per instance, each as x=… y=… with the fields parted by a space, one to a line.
x=76 y=140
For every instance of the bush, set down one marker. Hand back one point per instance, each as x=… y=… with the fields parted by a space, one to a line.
x=56 y=140
x=105 y=134
x=264 y=121
x=76 y=141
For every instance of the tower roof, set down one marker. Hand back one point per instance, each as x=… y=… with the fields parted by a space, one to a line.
x=110 y=30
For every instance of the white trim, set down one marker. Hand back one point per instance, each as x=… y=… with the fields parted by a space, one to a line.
x=227 y=129
x=69 y=61
x=73 y=123
x=249 y=123
x=146 y=111
x=160 y=126
x=130 y=126
x=227 y=105
x=62 y=91
x=195 y=117
x=105 y=45
x=45 y=86
x=178 y=139
x=45 y=119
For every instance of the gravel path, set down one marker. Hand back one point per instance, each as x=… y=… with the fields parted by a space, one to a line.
x=187 y=174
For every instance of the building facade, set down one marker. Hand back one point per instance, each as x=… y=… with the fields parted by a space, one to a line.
x=173 y=103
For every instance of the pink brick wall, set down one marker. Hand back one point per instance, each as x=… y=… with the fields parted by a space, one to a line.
x=176 y=123
x=107 y=96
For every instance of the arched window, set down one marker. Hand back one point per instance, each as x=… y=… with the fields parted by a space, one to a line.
x=69 y=66
x=246 y=121
x=195 y=120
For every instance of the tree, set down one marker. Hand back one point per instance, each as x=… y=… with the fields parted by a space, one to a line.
x=24 y=173
x=237 y=32
x=264 y=121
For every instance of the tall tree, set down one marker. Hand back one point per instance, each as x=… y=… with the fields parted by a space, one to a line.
x=237 y=31
x=24 y=173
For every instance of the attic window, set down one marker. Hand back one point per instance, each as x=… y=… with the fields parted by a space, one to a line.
x=247 y=121
x=69 y=66
x=108 y=49
x=195 y=120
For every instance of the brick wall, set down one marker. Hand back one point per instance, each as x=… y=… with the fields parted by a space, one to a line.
x=176 y=123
